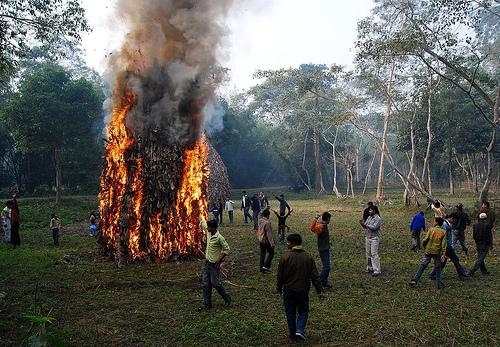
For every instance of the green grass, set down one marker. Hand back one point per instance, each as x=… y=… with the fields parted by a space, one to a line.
x=154 y=304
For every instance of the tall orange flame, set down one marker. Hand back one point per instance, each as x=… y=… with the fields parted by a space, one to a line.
x=123 y=223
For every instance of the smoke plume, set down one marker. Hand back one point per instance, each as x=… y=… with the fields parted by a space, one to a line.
x=169 y=62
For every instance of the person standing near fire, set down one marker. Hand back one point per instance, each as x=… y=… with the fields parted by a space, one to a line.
x=229 y=207
x=245 y=206
x=216 y=251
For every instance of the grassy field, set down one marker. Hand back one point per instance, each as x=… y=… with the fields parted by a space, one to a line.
x=154 y=304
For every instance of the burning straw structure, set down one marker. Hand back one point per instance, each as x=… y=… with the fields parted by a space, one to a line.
x=155 y=176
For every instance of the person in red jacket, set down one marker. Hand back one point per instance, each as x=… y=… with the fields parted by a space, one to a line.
x=320 y=228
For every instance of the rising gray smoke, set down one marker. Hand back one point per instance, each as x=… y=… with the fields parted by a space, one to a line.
x=168 y=61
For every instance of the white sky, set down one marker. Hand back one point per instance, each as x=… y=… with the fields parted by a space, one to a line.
x=265 y=34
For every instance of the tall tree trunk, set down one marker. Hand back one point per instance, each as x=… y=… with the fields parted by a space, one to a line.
x=351 y=181
x=483 y=196
x=426 y=171
x=58 y=173
x=411 y=169
x=450 y=161
x=317 y=162
x=358 y=150
x=380 y=180
x=304 y=167
x=368 y=172
x=333 y=144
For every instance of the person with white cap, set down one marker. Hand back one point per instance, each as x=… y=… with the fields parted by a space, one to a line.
x=483 y=237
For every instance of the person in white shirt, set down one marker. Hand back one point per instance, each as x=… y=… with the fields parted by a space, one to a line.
x=229 y=207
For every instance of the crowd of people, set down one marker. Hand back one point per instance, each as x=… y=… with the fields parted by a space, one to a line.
x=297 y=268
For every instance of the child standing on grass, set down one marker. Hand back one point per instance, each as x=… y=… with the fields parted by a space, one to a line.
x=55 y=225
x=434 y=244
x=93 y=224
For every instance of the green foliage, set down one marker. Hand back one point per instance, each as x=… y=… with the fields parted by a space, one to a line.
x=51 y=111
x=41 y=333
x=46 y=22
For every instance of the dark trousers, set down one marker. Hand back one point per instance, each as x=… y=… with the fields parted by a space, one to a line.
x=246 y=214
x=231 y=216
x=437 y=268
x=211 y=279
x=255 y=218
x=220 y=216
x=415 y=239
x=281 y=232
x=266 y=262
x=55 y=236
x=296 y=303
x=481 y=255
x=325 y=270
x=450 y=253
x=14 y=234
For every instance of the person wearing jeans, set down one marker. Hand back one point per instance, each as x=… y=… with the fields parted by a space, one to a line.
x=255 y=211
x=216 y=251
x=245 y=206
x=372 y=241
x=266 y=241
x=434 y=244
x=296 y=271
x=459 y=225
x=320 y=228
x=450 y=251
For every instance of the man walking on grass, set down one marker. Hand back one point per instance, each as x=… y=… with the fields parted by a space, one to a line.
x=296 y=271
x=434 y=244
x=216 y=251
x=266 y=241
x=483 y=236
x=450 y=251
x=372 y=241
x=245 y=206
x=416 y=227
x=320 y=228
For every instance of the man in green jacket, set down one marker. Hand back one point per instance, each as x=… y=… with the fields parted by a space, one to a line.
x=296 y=270
x=434 y=244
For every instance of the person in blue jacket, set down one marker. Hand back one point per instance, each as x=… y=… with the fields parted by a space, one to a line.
x=416 y=227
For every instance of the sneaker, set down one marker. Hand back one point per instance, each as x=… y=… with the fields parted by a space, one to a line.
x=300 y=336
x=327 y=286
x=376 y=274
x=412 y=283
x=464 y=277
x=228 y=300
x=485 y=272
x=441 y=285
x=265 y=269
x=369 y=271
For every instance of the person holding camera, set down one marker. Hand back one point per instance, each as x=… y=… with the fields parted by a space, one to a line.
x=320 y=228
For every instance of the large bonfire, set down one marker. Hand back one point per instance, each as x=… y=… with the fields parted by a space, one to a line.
x=155 y=177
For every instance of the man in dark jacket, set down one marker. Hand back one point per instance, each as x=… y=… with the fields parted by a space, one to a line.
x=296 y=270
x=245 y=206
x=255 y=211
x=283 y=204
x=462 y=220
x=484 y=239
